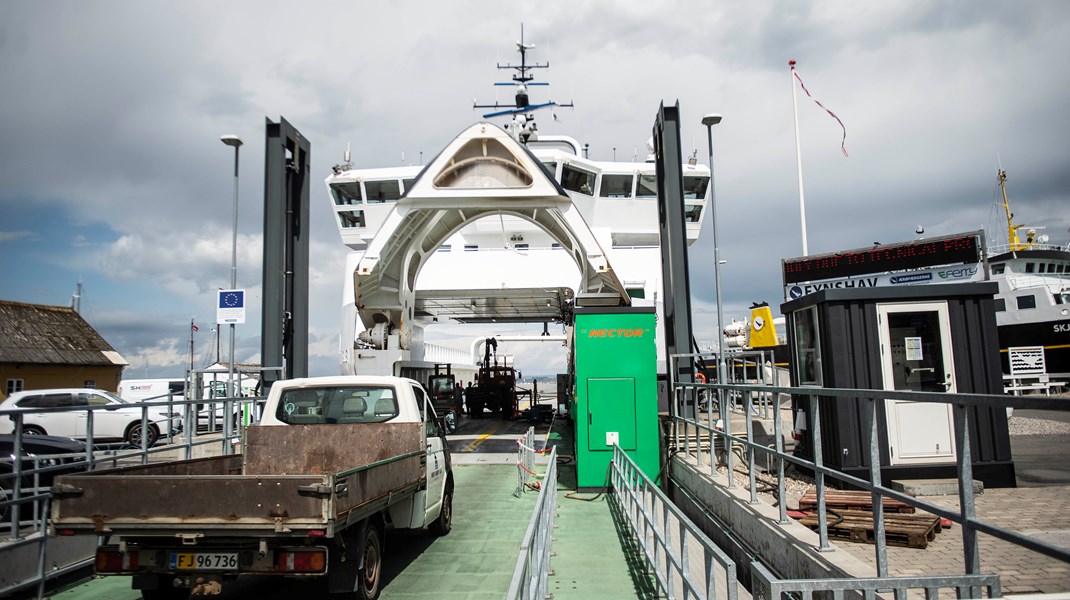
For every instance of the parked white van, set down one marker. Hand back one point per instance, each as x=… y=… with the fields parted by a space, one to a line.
x=138 y=390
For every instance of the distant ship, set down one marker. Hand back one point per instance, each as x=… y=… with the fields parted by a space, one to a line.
x=1033 y=303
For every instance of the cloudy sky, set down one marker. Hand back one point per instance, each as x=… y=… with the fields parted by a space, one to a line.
x=112 y=172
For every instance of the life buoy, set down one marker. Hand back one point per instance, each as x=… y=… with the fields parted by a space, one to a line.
x=700 y=377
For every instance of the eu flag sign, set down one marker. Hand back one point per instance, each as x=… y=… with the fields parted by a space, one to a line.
x=230 y=308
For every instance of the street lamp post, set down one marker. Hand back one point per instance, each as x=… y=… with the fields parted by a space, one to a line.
x=709 y=121
x=235 y=142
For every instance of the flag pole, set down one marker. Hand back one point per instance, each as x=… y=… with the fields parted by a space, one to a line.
x=798 y=156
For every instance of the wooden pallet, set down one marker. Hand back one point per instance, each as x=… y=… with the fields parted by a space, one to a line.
x=852 y=500
x=911 y=531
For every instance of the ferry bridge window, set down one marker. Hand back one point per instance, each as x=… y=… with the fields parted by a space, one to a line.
x=346 y=193
x=616 y=186
x=1030 y=267
x=382 y=191
x=577 y=180
x=647 y=187
x=997 y=269
x=351 y=218
x=406 y=185
x=550 y=168
x=1041 y=268
x=1025 y=302
x=1001 y=305
x=692 y=213
x=695 y=187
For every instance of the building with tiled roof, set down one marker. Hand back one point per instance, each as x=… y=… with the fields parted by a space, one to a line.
x=53 y=347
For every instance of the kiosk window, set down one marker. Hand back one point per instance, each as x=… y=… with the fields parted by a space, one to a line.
x=807 y=347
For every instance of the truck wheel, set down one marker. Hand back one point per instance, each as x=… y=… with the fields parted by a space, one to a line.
x=444 y=523
x=367 y=584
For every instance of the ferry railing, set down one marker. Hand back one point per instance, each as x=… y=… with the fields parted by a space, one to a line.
x=668 y=538
x=525 y=460
x=25 y=496
x=767 y=587
x=1005 y=248
x=708 y=437
x=532 y=569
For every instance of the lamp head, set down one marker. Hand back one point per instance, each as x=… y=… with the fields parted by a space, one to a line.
x=231 y=140
x=711 y=119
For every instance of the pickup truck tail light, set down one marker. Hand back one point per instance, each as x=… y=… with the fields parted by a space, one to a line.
x=301 y=561
x=113 y=561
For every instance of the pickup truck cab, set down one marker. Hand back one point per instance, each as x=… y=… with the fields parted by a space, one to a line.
x=335 y=463
x=370 y=399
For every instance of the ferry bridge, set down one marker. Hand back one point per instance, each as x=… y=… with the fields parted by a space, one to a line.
x=703 y=524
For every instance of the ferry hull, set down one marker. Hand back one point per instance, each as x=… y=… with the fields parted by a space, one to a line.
x=1053 y=335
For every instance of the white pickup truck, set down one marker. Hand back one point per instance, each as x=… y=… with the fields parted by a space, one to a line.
x=333 y=465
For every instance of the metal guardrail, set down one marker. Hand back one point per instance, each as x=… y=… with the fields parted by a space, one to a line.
x=653 y=517
x=708 y=438
x=525 y=460
x=532 y=569
x=768 y=587
x=25 y=508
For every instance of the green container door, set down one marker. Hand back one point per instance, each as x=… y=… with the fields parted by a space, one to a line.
x=611 y=413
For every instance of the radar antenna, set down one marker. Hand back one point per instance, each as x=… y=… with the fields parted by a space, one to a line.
x=522 y=127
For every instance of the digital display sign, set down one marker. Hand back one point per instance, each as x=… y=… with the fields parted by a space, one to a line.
x=961 y=248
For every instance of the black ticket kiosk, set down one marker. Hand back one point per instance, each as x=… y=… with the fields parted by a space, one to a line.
x=932 y=338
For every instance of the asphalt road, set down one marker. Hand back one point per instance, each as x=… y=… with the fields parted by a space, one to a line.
x=1042 y=460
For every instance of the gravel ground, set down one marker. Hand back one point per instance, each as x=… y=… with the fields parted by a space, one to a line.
x=1027 y=426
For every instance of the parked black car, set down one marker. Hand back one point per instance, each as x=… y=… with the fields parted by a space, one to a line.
x=54 y=456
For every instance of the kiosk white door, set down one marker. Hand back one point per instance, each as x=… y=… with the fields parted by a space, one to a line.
x=916 y=356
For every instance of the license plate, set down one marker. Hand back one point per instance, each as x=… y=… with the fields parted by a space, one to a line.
x=204 y=561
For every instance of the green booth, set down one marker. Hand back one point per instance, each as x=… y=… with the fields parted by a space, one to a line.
x=615 y=400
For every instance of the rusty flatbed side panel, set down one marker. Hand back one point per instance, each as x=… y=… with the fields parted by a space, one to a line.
x=328 y=448
x=212 y=465
x=370 y=484
x=129 y=499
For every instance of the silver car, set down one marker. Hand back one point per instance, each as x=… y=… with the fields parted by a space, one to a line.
x=116 y=419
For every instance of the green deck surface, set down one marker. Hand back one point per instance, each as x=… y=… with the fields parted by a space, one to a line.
x=594 y=557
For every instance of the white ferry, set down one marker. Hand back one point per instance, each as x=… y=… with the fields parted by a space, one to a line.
x=515 y=224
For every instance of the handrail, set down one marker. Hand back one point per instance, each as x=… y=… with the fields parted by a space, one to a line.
x=35 y=500
x=766 y=586
x=652 y=517
x=867 y=399
x=532 y=569
x=525 y=460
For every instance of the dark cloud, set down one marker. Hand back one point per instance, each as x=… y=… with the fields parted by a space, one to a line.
x=112 y=114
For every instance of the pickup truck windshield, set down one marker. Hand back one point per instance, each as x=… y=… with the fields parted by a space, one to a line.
x=343 y=404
